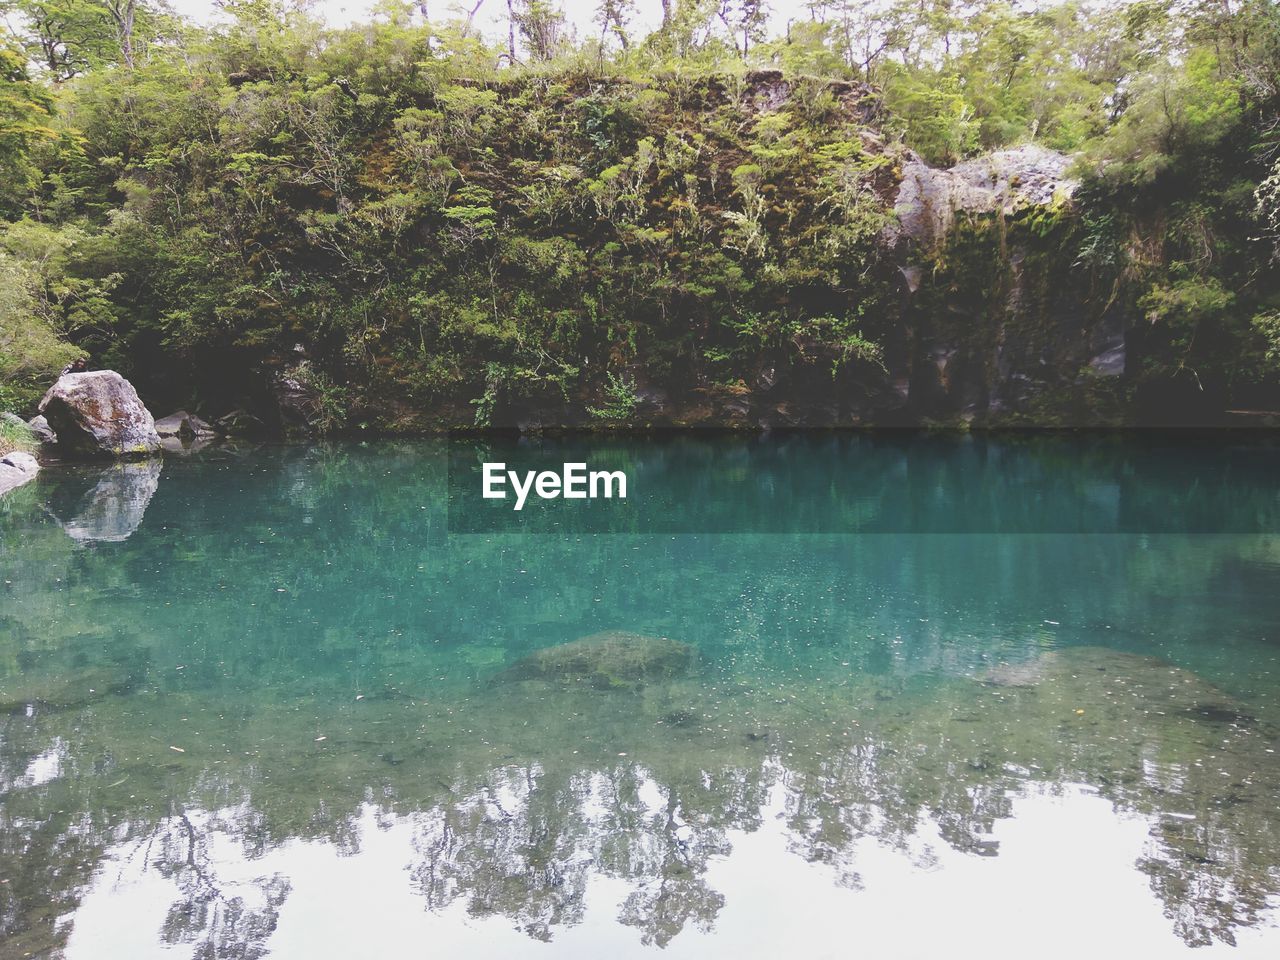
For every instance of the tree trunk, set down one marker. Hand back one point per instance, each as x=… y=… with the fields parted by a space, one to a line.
x=511 y=33
x=123 y=13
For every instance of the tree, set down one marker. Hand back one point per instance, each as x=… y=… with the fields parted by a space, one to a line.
x=745 y=20
x=541 y=26
x=612 y=15
x=24 y=122
x=66 y=37
x=124 y=14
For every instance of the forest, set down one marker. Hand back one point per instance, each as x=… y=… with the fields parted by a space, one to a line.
x=408 y=224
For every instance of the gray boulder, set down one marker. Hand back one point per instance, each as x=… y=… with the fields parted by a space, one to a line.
x=99 y=414
x=185 y=425
x=40 y=427
x=1005 y=181
x=16 y=469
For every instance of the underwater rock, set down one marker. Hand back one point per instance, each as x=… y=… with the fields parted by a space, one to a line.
x=99 y=414
x=680 y=717
x=608 y=659
x=1026 y=674
x=1217 y=713
x=63 y=690
x=1084 y=679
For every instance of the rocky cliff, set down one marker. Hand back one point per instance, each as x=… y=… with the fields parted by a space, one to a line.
x=754 y=251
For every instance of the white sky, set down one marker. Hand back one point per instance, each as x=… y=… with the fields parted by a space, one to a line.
x=492 y=16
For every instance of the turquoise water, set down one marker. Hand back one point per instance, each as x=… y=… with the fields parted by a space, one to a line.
x=271 y=702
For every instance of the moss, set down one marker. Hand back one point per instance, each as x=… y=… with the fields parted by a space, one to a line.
x=16 y=436
x=1008 y=297
x=605 y=660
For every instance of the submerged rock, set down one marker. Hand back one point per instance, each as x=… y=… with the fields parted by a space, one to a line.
x=99 y=414
x=63 y=690
x=1025 y=674
x=1217 y=713
x=1089 y=679
x=609 y=659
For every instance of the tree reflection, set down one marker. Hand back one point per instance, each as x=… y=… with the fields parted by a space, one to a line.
x=523 y=839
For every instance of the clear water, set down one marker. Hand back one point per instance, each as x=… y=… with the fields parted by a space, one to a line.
x=260 y=702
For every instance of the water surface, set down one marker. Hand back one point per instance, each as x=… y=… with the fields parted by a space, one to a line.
x=261 y=702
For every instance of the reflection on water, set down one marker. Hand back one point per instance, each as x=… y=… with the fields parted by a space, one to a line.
x=112 y=506
x=291 y=715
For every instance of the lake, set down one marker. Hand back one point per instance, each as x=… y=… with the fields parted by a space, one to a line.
x=816 y=695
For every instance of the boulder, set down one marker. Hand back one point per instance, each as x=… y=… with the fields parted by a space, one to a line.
x=609 y=659
x=16 y=469
x=1005 y=181
x=99 y=414
x=239 y=423
x=184 y=446
x=185 y=425
x=40 y=427
x=1110 y=362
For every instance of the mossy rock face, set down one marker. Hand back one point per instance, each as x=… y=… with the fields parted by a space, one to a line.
x=605 y=660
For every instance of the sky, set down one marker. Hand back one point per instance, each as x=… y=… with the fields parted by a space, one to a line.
x=492 y=16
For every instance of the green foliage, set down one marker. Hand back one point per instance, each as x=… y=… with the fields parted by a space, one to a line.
x=1192 y=318
x=14 y=436
x=1267 y=208
x=620 y=401
x=31 y=350
x=328 y=411
x=933 y=116
x=1174 y=110
x=25 y=109
x=450 y=241
x=1267 y=326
